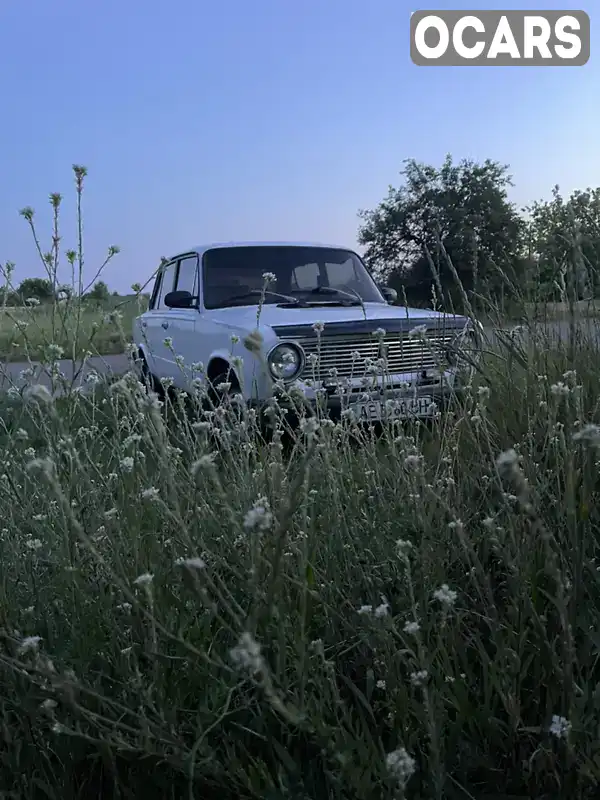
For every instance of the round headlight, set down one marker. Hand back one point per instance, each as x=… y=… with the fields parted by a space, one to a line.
x=285 y=362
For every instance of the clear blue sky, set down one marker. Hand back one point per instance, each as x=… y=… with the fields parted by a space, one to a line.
x=206 y=120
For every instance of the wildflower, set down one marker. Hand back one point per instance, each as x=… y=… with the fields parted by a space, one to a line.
x=29 y=644
x=33 y=544
x=44 y=466
x=379 y=332
x=418 y=332
x=367 y=609
x=32 y=301
x=309 y=426
x=49 y=704
x=590 y=434
x=127 y=464
x=381 y=685
x=54 y=352
x=205 y=462
x=382 y=610
x=507 y=462
x=412 y=627
x=413 y=462
x=403 y=548
x=191 y=563
x=111 y=513
x=144 y=580
x=559 y=389
x=151 y=493
x=247 y=655
x=269 y=277
x=22 y=435
x=419 y=678
x=400 y=765
x=38 y=393
x=259 y=517
x=560 y=727
x=445 y=595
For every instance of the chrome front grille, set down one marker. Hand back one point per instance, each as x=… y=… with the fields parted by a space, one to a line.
x=346 y=356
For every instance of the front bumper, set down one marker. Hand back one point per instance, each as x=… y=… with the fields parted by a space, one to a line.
x=414 y=398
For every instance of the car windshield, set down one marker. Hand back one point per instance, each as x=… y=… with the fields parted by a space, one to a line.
x=234 y=275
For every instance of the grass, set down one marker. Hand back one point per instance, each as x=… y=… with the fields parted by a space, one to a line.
x=247 y=620
x=190 y=611
x=25 y=333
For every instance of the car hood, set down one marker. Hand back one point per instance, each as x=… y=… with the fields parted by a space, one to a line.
x=275 y=317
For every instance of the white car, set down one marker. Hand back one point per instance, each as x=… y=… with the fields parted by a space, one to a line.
x=317 y=321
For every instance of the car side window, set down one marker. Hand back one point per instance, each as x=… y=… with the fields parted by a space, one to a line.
x=166 y=286
x=187 y=275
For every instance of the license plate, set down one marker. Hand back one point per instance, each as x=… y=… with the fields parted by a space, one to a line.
x=373 y=410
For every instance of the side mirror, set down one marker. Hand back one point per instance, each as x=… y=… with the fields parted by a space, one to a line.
x=391 y=295
x=179 y=299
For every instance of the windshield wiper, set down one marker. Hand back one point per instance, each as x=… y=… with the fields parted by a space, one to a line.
x=253 y=292
x=353 y=299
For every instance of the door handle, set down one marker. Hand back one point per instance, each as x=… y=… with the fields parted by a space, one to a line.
x=165 y=325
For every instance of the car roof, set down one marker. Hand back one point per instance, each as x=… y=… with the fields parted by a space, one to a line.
x=201 y=249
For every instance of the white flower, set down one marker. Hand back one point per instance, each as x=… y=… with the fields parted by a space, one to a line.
x=382 y=610
x=269 y=277
x=590 y=434
x=127 y=464
x=29 y=643
x=419 y=678
x=380 y=685
x=560 y=727
x=367 y=609
x=559 y=389
x=507 y=462
x=445 y=595
x=413 y=462
x=403 y=548
x=412 y=627
x=309 y=426
x=246 y=654
x=191 y=563
x=144 y=580
x=400 y=765
x=151 y=493
x=318 y=327
x=33 y=544
x=418 y=332
x=32 y=301
x=259 y=517
x=38 y=393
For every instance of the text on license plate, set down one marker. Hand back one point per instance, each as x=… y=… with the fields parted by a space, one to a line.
x=395 y=409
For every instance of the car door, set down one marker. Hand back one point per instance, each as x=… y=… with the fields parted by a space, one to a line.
x=156 y=327
x=182 y=323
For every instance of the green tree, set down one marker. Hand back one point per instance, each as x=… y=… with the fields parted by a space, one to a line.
x=564 y=237
x=99 y=293
x=456 y=215
x=40 y=288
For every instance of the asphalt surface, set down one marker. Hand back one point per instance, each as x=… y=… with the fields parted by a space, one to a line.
x=11 y=372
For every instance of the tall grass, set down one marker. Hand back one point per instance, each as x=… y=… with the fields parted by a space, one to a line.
x=190 y=610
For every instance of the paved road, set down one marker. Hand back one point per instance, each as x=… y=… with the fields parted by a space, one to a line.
x=10 y=374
